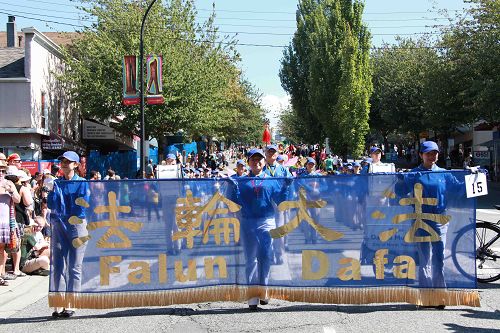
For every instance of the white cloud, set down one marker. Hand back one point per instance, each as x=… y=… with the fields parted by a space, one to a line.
x=274 y=104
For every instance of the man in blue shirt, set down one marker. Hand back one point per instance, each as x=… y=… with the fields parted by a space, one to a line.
x=435 y=185
x=68 y=259
x=240 y=169
x=258 y=194
x=312 y=188
x=272 y=167
x=275 y=169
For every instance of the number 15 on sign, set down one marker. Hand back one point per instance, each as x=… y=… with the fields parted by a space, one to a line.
x=476 y=185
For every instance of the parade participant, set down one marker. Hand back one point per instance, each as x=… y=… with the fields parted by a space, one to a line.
x=434 y=184
x=376 y=165
x=281 y=159
x=258 y=195
x=8 y=198
x=356 y=168
x=67 y=258
x=240 y=169
x=274 y=169
x=313 y=193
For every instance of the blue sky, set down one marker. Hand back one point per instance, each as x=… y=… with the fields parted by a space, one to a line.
x=260 y=22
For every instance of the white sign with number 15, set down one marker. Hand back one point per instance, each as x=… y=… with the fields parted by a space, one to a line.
x=476 y=185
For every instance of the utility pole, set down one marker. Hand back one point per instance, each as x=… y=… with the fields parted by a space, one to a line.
x=141 y=70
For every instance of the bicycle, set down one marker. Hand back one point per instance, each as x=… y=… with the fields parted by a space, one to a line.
x=487 y=240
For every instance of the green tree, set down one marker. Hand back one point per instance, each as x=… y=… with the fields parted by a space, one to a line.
x=202 y=85
x=326 y=71
x=473 y=52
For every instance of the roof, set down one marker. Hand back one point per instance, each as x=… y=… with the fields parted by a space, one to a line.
x=11 y=62
x=59 y=38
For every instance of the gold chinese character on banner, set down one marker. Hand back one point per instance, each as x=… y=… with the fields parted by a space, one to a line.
x=418 y=216
x=189 y=217
x=303 y=215
x=113 y=223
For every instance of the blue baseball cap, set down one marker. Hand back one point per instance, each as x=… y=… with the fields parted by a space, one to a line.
x=255 y=151
x=70 y=155
x=280 y=158
x=269 y=147
x=375 y=149
x=311 y=160
x=240 y=162
x=171 y=157
x=428 y=146
x=356 y=164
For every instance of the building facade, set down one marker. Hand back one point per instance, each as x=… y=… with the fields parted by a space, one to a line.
x=37 y=118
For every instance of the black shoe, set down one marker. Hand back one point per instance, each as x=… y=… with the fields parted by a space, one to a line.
x=264 y=302
x=56 y=314
x=253 y=307
x=67 y=313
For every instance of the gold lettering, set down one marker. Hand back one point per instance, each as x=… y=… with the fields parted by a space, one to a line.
x=142 y=275
x=405 y=271
x=380 y=261
x=354 y=268
x=209 y=267
x=106 y=269
x=162 y=268
x=191 y=271
x=307 y=260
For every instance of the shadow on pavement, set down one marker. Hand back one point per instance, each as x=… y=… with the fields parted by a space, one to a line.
x=351 y=309
x=460 y=329
x=482 y=314
x=488 y=286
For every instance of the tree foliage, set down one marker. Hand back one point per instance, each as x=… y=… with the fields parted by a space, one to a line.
x=423 y=85
x=473 y=53
x=202 y=85
x=327 y=73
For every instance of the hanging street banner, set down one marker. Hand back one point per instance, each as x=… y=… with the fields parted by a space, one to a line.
x=357 y=239
x=130 y=80
x=154 y=81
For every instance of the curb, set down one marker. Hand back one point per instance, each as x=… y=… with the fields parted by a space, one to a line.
x=21 y=293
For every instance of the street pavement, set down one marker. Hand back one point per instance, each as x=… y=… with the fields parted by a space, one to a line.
x=23 y=308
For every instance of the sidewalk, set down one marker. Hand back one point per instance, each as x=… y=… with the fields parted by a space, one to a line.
x=20 y=293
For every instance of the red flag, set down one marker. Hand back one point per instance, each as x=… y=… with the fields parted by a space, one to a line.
x=266 y=136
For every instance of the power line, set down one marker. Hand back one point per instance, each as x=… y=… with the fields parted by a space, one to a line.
x=238 y=32
x=42 y=20
x=250 y=19
x=270 y=12
x=38 y=8
x=52 y=3
x=51 y=16
x=225 y=43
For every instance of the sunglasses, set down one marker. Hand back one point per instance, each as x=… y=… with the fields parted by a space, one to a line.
x=16 y=161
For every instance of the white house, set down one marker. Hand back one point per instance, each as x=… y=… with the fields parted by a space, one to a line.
x=36 y=117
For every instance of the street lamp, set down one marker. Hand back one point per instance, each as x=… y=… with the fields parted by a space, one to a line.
x=141 y=59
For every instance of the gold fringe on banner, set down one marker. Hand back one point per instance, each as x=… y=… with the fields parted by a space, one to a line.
x=425 y=297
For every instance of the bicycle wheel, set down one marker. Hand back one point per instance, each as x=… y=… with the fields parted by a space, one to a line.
x=487 y=240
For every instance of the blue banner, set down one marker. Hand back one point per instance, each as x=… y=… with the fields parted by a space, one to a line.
x=339 y=239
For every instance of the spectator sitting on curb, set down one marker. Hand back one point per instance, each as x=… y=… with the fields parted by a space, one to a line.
x=35 y=251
